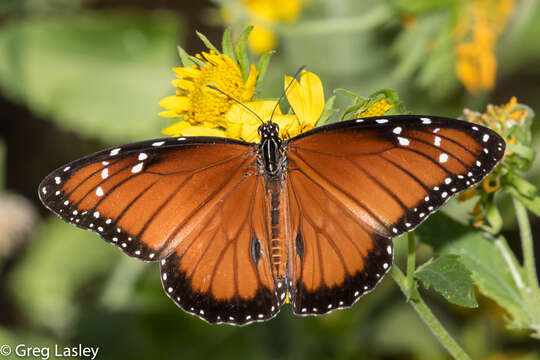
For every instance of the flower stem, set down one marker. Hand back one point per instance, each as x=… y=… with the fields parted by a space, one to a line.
x=429 y=319
x=527 y=247
x=411 y=263
x=531 y=293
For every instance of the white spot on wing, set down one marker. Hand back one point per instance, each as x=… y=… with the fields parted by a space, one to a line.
x=143 y=156
x=137 y=168
x=425 y=120
x=397 y=130
x=381 y=121
x=485 y=138
x=443 y=158
x=437 y=141
x=105 y=173
x=158 y=143
x=403 y=141
x=114 y=151
x=99 y=191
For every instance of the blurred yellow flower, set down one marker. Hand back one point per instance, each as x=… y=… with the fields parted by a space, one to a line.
x=264 y=15
x=479 y=25
x=200 y=106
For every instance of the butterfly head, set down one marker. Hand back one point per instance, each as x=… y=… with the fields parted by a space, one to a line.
x=268 y=130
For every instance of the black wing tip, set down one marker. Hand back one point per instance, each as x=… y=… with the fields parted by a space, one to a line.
x=237 y=312
x=328 y=299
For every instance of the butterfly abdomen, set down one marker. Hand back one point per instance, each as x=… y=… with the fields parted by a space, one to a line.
x=275 y=225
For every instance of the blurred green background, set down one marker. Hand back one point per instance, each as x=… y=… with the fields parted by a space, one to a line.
x=80 y=75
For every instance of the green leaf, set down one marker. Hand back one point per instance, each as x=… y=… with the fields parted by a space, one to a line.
x=449 y=277
x=525 y=152
x=184 y=57
x=207 y=42
x=524 y=187
x=262 y=65
x=489 y=268
x=494 y=218
x=533 y=204
x=346 y=93
x=226 y=44
x=241 y=51
x=328 y=111
x=188 y=60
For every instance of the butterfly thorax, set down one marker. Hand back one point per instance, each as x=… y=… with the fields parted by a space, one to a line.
x=270 y=156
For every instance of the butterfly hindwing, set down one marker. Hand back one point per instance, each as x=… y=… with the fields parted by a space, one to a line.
x=353 y=185
x=221 y=272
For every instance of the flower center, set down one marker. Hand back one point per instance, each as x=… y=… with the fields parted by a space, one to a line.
x=208 y=105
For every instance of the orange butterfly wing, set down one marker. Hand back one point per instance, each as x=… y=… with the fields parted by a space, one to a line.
x=352 y=186
x=196 y=204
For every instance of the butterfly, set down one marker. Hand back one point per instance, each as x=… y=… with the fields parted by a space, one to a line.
x=238 y=226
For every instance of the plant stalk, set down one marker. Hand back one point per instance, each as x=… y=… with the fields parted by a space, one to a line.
x=527 y=247
x=429 y=319
x=411 y=262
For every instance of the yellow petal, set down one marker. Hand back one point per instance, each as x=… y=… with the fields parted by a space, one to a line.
x=306 y=98
x=250 y=133
x=238 y=114
x=169 y=114
x=202 y=131
x=249 y=86
x=289 y=126
x=175 y=103
x=175 y=129
x=183 y=84
x=188 y=71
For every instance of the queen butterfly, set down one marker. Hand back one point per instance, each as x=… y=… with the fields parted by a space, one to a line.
x=237 y=226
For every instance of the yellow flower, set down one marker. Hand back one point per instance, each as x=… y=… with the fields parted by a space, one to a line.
x=264 y=15
x=262 y=40
x=380 y=107
x=201 y=106
x=479 y=25
x=306 y=98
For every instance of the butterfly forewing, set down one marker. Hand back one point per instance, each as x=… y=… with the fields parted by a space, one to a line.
x=354 y=185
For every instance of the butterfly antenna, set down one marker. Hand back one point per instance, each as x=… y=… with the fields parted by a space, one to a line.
x=238 y=102
x=296 y=75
